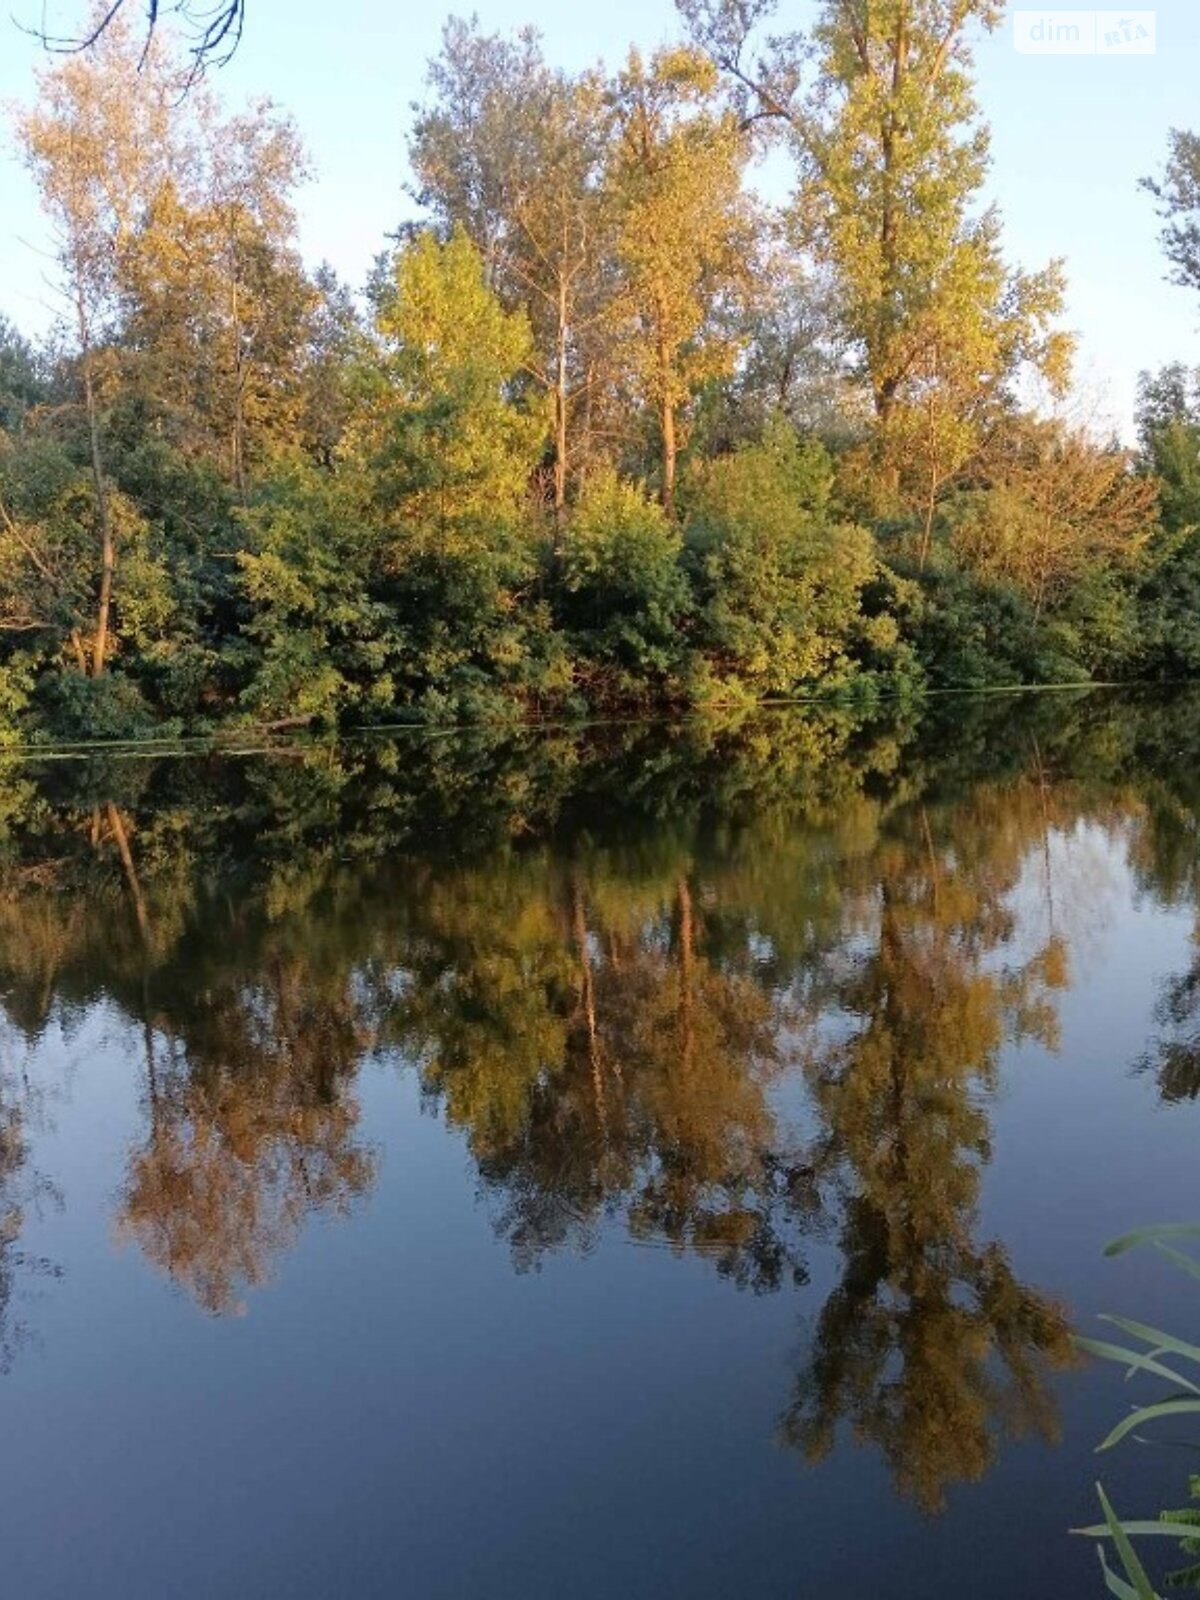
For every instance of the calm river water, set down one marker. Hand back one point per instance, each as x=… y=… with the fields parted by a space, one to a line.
x=613 y=1164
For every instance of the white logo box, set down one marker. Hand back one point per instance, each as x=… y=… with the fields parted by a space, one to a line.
x=1085 y=33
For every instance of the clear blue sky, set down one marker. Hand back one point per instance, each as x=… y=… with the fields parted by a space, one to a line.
x=1071 y=137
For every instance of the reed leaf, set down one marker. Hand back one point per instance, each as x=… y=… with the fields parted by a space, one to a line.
x=1134 y=1361
x=1134 y=1570
x=1160 y=1343
x=1151 y=1235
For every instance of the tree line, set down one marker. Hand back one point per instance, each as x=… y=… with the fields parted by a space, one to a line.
x=603 y=430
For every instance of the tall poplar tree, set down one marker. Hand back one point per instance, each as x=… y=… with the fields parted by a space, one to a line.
x=97 y=142
x=513 y=152
x=684 y=231
x=893 y=158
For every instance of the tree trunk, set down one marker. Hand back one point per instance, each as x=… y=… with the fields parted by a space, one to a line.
x=560 y=409
x=587 y=990
x=108 y=554
x=117 y=824
x=929 y=515
x=886 y=386
x=239 y=423
x=666 y=386
x=687 y=963
x=239 y=455
x=238 y=441
x=670 y=451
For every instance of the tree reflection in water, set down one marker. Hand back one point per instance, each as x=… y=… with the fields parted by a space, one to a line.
x=611 y=958
x=929 y=1342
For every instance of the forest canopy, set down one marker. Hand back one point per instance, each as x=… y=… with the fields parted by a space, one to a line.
x=603 y=431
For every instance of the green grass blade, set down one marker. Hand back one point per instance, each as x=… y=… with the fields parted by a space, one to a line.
x=1140 y=1530
x=1165 y=1408
x=1114 y=1583
x=1162 y=1230
x=1133 y=1361
x=1189 y=1264
x=1155 y=1338
x=1134 y=1569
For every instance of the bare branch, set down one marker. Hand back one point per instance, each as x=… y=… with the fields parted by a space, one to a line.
x=212 y=32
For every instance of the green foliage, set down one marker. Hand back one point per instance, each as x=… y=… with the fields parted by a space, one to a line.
x=1168 y=419
x=110 y=707
x=17 y=679
x=1174 y=1361
x=322 y=641
x=1101 y=624
x=1169 y=593
x=971 y=634
x=453 y=447
x=623 y=594
x=21 y=385
x=477 y=643
x=782 y=587
x=1186 y=1577
x=449 y=448
x=1177 y=191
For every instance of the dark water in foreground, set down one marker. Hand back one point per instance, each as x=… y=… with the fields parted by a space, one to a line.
x=641 y=1163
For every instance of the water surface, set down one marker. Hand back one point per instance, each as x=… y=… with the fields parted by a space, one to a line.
x=631 y=1162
